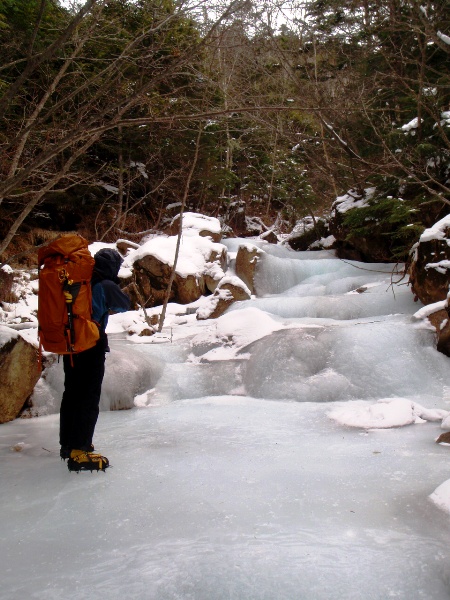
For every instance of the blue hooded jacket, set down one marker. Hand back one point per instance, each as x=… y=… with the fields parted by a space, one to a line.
x=106 y=294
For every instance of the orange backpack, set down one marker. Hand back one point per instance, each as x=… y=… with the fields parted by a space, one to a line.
x=65 y=297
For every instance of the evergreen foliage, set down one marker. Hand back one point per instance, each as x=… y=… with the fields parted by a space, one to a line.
x=393 y=218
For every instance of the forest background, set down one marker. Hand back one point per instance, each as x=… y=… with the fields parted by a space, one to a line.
x=113 y=112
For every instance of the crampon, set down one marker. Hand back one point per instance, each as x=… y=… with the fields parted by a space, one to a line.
x=81 y=460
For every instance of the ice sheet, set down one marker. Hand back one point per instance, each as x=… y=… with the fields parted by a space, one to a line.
x=225 y=497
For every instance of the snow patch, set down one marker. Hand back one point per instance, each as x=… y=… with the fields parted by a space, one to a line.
x=325 y=243
x=193 y=223
x=437 y=232
x=7 y=334
x=443 y=37
x=385 y=414
x=429 y=309
x=441 y=496
x=409 y=127
x=352 y=199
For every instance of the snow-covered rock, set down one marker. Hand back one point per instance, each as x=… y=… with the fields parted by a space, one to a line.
x=229 y=290
x=246 y=261
x=198 y=258
x=197 y=224
x=369 y=226
x=429 y=275
x=18 y=372
x=430 y=266
x=306 y=234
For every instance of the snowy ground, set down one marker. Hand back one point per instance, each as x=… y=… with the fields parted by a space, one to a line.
x=227 y=480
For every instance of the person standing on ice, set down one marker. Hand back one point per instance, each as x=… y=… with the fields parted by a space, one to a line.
x=84 y=371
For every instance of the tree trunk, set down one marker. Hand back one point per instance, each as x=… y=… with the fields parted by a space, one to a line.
x=180 y=231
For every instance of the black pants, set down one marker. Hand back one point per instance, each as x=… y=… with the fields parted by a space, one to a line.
x=81 y=397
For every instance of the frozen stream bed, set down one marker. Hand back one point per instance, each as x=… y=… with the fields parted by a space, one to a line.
x=229 y=478
x=226 y=498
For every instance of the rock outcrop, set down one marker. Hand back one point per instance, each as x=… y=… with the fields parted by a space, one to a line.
x=371 y=226
x=229 y=290
x=429 y=275
x=269 y=236
x=307 y=232
x=215 y=269
x=368 y=243
x=440 y=321
x=246 y=261
x=429 y=270
x=18 y=373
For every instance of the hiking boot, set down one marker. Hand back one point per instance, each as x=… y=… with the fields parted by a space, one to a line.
x=81 y=460
x=65 y=451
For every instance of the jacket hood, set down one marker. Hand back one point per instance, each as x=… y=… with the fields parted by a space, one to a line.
x=107 y=264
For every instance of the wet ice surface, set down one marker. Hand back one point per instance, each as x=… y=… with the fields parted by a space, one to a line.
x=234 y=483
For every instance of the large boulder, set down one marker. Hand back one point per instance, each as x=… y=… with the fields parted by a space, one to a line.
x=18 y=373
x=199 y=268
x=153 y=277
x=429 y=269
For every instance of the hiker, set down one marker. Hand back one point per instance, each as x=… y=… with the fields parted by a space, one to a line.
x=84 y=371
